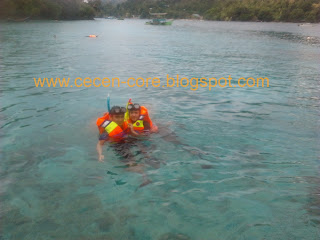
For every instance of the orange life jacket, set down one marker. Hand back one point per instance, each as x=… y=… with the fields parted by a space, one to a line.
x=144 y=117
x=105 y=124
x=101 y=120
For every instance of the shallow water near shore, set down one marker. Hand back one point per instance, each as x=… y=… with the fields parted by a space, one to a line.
x=230 y=163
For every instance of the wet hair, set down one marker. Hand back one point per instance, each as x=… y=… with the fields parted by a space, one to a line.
x=116 y=110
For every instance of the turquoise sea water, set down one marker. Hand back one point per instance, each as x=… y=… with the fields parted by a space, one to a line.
x=243 y=163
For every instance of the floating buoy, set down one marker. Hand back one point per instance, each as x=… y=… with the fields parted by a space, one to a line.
x=93 y=36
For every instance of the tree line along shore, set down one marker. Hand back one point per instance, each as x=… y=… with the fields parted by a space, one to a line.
x=219 y=10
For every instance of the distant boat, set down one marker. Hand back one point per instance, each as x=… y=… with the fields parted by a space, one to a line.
x=159 y=20
x=111 y=17
x=18 y=20
x=120 y=18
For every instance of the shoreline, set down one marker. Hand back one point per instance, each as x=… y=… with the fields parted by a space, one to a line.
x=174 y=19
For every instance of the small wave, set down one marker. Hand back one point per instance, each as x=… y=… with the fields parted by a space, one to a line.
x=310 y=40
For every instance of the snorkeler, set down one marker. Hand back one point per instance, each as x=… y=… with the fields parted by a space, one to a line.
x=138 y=120
x=112 y=127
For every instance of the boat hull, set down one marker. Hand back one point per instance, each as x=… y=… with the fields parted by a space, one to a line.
x=167 y=23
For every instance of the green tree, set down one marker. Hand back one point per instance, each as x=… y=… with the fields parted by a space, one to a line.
x=296 y=15
x=265 y=14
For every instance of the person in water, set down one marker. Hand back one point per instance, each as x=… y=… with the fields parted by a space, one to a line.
x=112 y=127
x=138 y=120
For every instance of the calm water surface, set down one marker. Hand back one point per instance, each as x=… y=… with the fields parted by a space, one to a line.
x=232 y=163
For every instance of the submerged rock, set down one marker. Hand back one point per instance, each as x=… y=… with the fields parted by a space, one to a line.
x=145 y=183
x=105 y=223
x=46 y=225
x=206 y=166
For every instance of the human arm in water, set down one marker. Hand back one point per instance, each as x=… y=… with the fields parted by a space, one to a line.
x=99 y=150
x=149 y=128
x=132 y=131
x=149 y=125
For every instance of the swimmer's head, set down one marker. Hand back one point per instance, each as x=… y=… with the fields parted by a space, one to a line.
x=117 y=114
x=134 y=112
